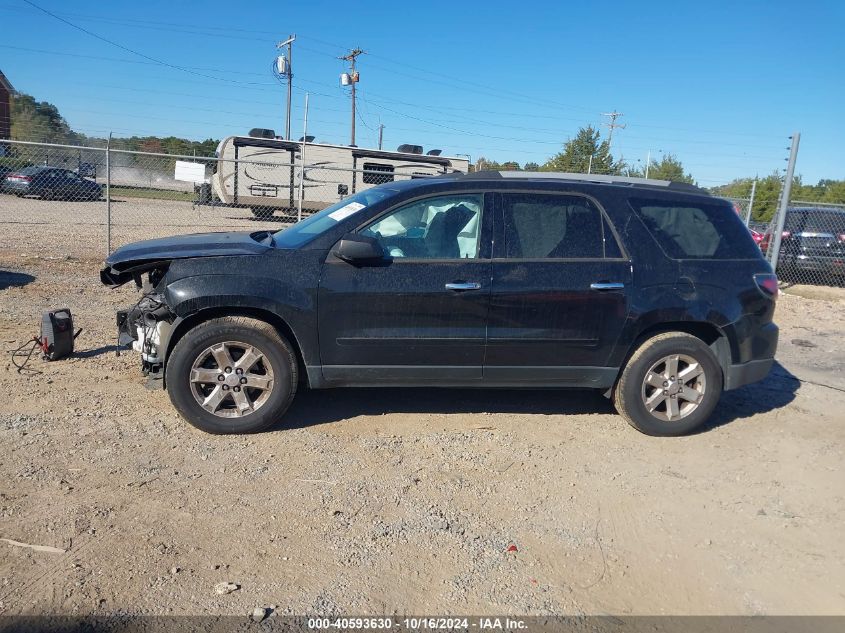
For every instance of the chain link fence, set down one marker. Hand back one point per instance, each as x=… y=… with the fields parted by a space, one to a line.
x=59 y=201
x=812 y=247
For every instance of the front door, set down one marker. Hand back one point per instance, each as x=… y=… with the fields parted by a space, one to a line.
x=560 y=292
x=420 y=316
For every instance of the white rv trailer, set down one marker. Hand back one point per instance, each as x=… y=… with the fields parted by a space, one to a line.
x=264 y=173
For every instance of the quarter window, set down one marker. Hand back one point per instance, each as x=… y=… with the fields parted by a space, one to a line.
x=696 y=231
x=445 y=227
x=542 y=226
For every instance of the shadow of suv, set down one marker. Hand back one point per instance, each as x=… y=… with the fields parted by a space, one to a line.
x=653 y=292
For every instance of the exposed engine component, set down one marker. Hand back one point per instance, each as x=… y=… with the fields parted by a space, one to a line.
x=145 y=326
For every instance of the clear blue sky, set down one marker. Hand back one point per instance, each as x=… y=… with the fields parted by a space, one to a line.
x=720 y=84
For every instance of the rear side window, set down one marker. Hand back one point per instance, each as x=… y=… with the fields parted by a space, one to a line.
x=548 y=226
x=696 y=231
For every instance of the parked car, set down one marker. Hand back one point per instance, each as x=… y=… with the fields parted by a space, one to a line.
x=756 y=236
x=4 y=171
x=51 y=183
x=812 y=244
x=653 y=292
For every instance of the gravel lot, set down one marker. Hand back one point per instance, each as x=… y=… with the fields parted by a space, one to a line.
x=400 y=501
x=78 y=229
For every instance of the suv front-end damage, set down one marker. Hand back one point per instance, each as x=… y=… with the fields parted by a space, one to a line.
x=147 y=325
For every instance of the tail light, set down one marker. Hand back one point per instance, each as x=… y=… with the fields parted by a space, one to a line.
x=767 y=284
x=785 y=234
x=19 y=177
x=842 y=237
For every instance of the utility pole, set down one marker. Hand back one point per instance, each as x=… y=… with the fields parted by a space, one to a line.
x=350 y=79
x=784 y=199
x=284 y=67
x=647 y=162
x=380 y=134
x=612 y=125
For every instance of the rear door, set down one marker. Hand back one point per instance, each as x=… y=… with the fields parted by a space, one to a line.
x=561 y=288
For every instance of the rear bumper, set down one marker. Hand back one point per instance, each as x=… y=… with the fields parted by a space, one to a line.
x=14 y=187
x=743 y=374
x=834 y=265
x=759 y=350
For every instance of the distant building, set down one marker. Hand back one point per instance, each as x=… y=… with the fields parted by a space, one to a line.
x=6 y=92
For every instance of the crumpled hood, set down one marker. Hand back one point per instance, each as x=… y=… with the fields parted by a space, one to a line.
x=133 y=259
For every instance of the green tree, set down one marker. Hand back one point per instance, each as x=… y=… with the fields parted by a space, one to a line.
x=482 y=164
x=765 y=196
x=532 y=166
x=575 y=157
x=39 y=121
x=669 y=168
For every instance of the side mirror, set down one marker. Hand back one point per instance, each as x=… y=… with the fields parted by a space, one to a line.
x=359 y=250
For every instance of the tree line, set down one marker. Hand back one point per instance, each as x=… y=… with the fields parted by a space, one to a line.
x=585 y=153
x=40 y=121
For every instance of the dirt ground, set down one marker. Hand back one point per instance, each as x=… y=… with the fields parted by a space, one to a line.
x=407 y=501
x=79 y=229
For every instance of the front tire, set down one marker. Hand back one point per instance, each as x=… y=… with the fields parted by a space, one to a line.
x=670 y=385
x=232 y=375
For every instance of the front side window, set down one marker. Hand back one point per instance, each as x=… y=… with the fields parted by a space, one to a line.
x=443 y=227
x=547 y=226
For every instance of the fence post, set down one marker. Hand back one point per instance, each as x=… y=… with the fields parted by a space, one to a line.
x=784 y=200
x=750 y=203
x=302 y=166
x=108 y=196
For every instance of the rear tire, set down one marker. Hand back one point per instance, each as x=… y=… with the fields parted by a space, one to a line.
x=670 y=385
x=232 y=375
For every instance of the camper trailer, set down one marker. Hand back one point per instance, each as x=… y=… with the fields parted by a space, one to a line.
x=264 y=173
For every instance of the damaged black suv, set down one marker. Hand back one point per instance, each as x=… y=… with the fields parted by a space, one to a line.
x=651 y=291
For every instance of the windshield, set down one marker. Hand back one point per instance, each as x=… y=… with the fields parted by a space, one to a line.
x=309 y=228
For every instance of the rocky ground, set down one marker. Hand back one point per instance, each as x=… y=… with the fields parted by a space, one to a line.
x=409 y=501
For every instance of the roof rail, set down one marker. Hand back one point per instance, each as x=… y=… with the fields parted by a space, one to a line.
x=600 y=178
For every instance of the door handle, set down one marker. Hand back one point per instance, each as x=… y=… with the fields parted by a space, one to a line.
x=463 y=285
x=607 y=285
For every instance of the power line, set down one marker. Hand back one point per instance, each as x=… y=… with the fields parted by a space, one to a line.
x=127 y=49
x=256 y=86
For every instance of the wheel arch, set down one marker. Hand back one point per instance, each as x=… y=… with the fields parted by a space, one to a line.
x=184 y=325
x=713 y=336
